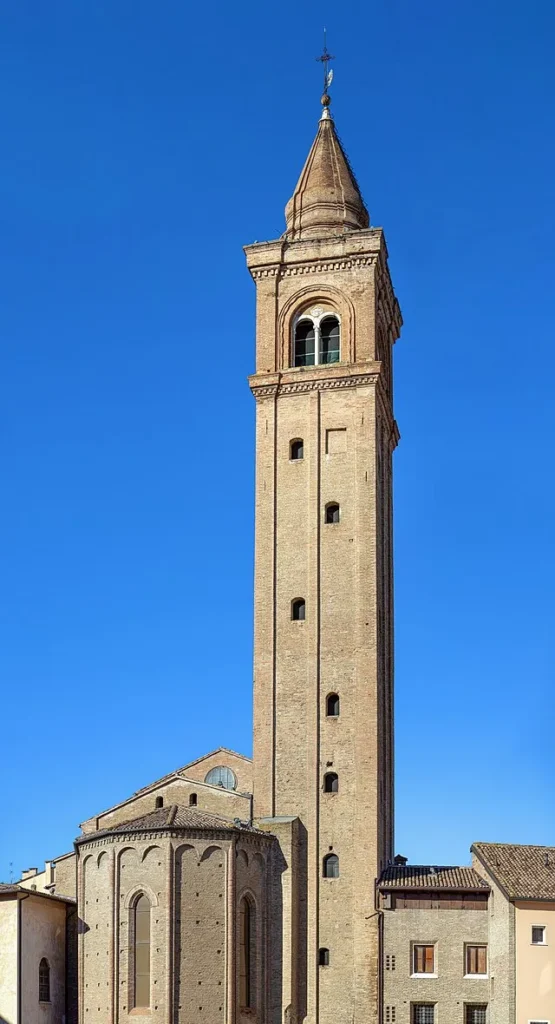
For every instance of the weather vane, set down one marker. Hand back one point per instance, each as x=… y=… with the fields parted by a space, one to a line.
x=328 y=75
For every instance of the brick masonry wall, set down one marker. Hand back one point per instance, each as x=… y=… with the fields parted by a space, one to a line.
x=343 y=572
x=193 y=883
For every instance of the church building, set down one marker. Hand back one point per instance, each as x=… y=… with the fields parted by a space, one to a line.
x=234 y=891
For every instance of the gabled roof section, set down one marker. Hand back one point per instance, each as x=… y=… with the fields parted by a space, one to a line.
x=173 y=818
x=12 y=889
x=177 y=774
x=327 y=199
x=523 y=872
x=432 y=876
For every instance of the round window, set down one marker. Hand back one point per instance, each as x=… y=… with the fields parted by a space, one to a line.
x=221 y=776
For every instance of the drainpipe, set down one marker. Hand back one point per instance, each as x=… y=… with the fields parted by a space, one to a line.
x=380 y=915
x=20 y=900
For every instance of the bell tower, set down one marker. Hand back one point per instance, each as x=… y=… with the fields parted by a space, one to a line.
x=327 y=319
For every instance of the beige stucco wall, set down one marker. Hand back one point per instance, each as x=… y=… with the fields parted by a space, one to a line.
x=42 y=935
x=8 y=961
x=535 y=965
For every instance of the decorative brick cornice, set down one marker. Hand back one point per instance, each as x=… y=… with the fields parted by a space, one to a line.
x=301 y=387
x=317 y=267
x=258 y=839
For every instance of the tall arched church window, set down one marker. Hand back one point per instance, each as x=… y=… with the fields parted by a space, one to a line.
x=44 y=981
x=141 y=952
x=247 y=940
x=316 y=338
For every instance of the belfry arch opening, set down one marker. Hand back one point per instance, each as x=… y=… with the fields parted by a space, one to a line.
x=316 y=338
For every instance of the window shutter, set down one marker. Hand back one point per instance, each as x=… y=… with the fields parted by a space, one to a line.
x=429 y=967
x=482 y=960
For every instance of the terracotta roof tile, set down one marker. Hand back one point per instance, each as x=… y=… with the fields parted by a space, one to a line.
x=173 y=817
x=430 y=876
x=524 y=872
x=12 y=888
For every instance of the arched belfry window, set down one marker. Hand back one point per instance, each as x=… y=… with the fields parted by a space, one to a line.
x=141 y=952
x=247 y=940
x=330 y=866
x=332 y=705
x=316 y=338
x=298 y=610
x=44 y=981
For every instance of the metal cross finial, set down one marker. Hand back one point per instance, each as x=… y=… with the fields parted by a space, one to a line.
x=325 y=59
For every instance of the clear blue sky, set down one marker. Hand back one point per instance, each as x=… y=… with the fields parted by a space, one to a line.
x=142 y=145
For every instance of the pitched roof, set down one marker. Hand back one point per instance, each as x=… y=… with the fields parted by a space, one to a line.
x=327 y=199
x=523 y=872
x=173 y=817
x=431 y=876
x=179 y=774
x=12 y=889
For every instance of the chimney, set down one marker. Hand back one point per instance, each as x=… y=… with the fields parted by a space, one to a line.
x=400 y=861
x=28 y=873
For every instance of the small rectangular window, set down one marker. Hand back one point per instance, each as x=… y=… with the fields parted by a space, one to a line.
x=423 y=1013
x=475 y=1013
x=423 y=959
x=476 y=960
x=538 y=935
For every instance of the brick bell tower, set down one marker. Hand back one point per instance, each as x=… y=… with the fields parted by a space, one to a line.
x=327 y=319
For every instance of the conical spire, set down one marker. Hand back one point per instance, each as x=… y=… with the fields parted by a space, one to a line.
x=327 y=199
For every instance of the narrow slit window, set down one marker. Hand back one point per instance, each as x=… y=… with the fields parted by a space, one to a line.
x=323 y=957
x=330 y=867
x=159 y=801
x=298 y=610
x=332 y=512
x=331 y=782
x=193 y=800
x=296 y=449
x=141 y=950
x=332 y=705
x=44 y=981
